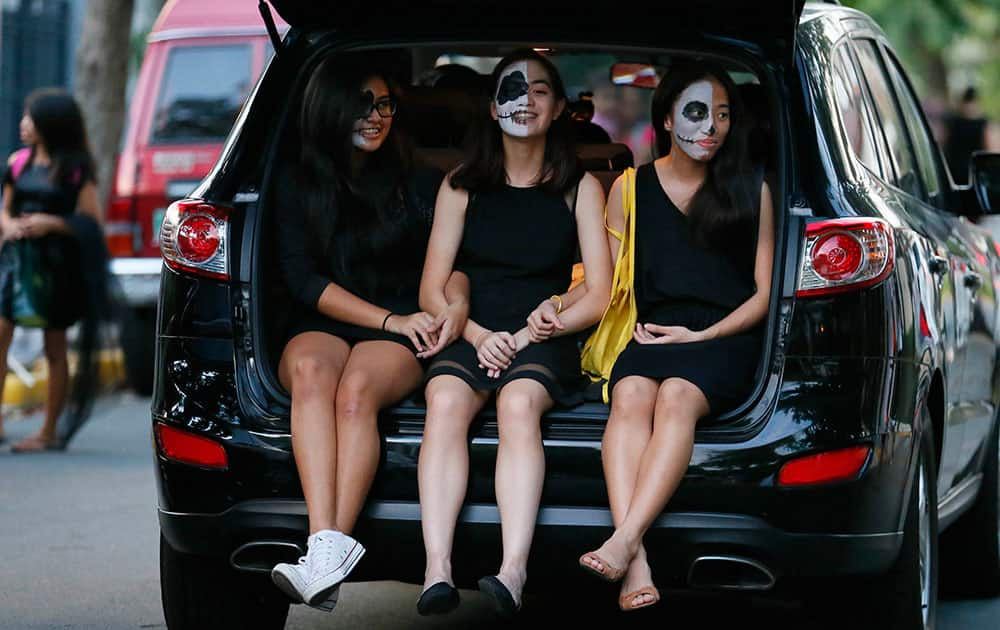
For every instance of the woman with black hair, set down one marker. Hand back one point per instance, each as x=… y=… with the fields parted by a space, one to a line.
x=44 y=187
x=703 y=247
x=511 y=217
x=352 y=232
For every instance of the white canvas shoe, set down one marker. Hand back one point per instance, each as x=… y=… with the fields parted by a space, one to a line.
x=330 y=558
x=290 y=579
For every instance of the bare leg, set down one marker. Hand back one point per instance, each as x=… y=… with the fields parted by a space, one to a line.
x=6 y=336
x=377 y=374
x=443 y=469
x=55 y=356
x=679 y=405
x=520 y=473
x=310 y=369
x=630 y=427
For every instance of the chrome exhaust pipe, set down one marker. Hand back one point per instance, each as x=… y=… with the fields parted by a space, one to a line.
x=261 y=556
x=730 y=573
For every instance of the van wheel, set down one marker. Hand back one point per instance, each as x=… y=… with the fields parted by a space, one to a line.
x=905 y=598
x=201 y=592
x=970 y=558
x=138 y=336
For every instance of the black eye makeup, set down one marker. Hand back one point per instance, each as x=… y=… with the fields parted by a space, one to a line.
x=695 y=111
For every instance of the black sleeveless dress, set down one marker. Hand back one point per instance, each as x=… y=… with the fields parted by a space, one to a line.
x=679 y=282
x=518 y=248
x=34 y=191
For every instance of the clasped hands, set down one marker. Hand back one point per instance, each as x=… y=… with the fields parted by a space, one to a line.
x=430 y=334
x=496 y=349
x=33 y=225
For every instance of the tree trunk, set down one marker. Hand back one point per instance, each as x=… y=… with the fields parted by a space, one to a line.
x=101 y=77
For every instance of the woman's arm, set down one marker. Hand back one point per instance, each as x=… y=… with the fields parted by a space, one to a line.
x=442 y=249
x=746 y=315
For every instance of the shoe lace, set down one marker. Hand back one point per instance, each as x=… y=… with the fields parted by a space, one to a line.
x=323 y=552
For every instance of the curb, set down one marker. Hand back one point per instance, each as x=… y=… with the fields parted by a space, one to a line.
x=19 y=395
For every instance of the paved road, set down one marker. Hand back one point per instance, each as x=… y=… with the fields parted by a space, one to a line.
x=78 y=542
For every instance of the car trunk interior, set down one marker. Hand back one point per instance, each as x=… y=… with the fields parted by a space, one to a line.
x=442 y=90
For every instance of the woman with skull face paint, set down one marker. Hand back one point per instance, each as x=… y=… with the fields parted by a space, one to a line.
x=511 y=217
x=701 y=291
x=352 y=233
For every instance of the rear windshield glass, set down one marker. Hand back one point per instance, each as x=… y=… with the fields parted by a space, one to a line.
x=202 y=90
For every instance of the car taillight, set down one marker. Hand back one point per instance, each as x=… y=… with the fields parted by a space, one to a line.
x=845 y=255
x=193 y=238
x=120 y=227
x=824 y=467
x=192 y=449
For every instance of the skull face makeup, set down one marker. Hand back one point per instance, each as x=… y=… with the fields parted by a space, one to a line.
x=512 y=97
x=694 y=120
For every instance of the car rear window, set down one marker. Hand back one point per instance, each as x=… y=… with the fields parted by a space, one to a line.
x=201 y=92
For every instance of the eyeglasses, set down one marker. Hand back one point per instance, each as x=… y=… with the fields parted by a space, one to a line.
x=386 y=108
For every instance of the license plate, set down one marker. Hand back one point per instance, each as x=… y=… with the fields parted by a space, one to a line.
x=157 y=222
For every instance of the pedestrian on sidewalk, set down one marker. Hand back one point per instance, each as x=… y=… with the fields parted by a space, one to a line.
x=49 y=206
x=967 y=130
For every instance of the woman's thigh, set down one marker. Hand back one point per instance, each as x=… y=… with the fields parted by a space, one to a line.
x=380 y=372
x=312 y=353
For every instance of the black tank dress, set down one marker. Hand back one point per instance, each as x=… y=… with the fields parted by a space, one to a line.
x=34 y=191
x=680 y=282
x=518 y=248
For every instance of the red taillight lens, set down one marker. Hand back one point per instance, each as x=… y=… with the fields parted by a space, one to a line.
x=193 y=238
x=824 y=467
x=120 y=227
x=845 y=255
x=192 y=449
x=198 y=238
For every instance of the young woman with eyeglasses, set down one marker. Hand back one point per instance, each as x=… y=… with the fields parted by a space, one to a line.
x=352 y=232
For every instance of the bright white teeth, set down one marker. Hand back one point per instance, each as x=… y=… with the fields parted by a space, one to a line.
x=523 y=117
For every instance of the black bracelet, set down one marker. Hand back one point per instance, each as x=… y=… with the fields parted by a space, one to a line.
x=384 y=321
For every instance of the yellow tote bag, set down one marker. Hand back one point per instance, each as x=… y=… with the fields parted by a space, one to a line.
x=615 y=330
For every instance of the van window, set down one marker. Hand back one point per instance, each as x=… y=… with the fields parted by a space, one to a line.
x=201 y=92
x=889 y=117
x=854 y=112
x=923 y=146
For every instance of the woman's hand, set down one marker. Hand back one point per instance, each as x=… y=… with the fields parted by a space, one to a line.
x=654 y=333
x=495 y=351
x=39 y=224
x=447 y=327
x=418 y=327
x=12 y=229
x=544 y=321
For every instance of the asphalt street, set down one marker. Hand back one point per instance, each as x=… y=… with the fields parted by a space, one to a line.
x=78 y=542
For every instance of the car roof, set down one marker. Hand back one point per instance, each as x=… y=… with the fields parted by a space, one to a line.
x=209 y=17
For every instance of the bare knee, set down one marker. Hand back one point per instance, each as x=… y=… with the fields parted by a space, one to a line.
x=449 y=406
x=313 y=376
x=519 y=413
x=679 y=401
x=355 y=398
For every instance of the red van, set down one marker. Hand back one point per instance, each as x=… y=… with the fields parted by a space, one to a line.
x=201 y=62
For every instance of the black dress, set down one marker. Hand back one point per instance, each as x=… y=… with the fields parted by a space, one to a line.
x=384 y=271
x=518 y=249
x=679 y=282
x=34 y=191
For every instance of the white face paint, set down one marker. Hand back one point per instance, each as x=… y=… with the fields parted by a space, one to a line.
x=512 y=97
x=693 y=121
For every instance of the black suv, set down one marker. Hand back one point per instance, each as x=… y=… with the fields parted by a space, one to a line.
x=872 y=426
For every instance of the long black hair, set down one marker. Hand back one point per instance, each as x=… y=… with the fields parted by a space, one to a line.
x=483 y=167
x=727 y=200
x=59 y=126
x=354 y=209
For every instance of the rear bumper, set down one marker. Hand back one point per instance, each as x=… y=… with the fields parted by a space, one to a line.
x=139 y=280
x=391 y=534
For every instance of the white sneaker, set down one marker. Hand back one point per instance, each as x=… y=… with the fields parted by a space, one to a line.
x=291 y=579
x=331 y=557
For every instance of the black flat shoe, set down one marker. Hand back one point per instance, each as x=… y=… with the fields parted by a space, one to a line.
x=439 y=599
x=503 y=601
